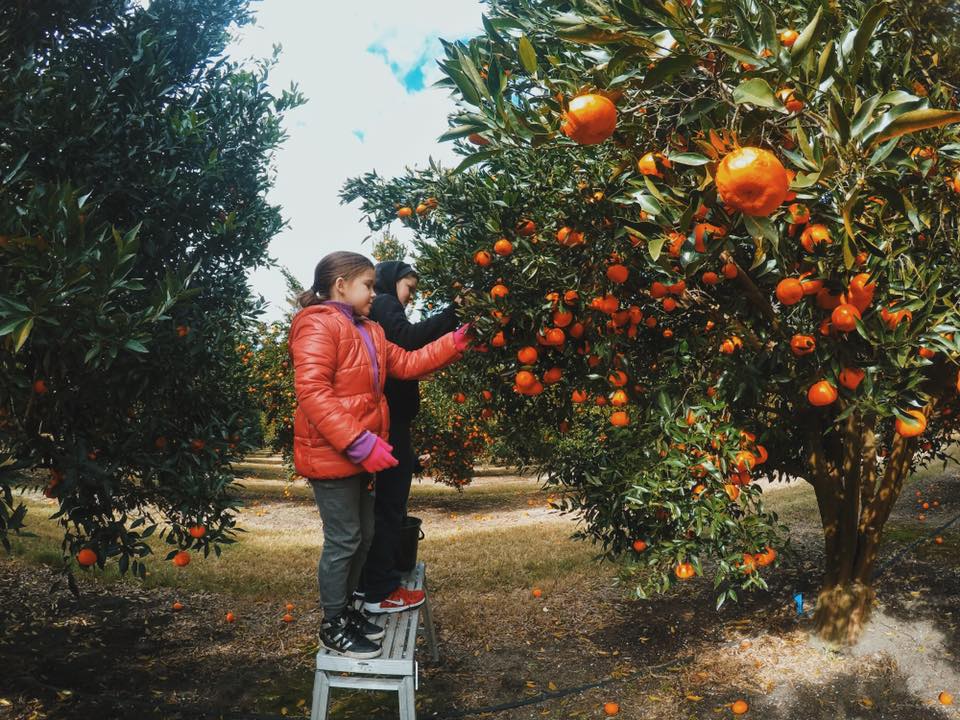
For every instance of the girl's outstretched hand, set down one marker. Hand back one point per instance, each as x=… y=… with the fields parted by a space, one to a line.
x=380 y=457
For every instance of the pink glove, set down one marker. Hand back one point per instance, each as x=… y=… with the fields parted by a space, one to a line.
x=461 y=337
x=380 y=457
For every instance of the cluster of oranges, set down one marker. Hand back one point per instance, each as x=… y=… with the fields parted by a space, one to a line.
x=422 y=208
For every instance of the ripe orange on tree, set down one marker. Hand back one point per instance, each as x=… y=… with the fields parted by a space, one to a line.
x=230 y=617
x=789 y=37
x=526 y=228
x=181 y=559
x=710 y=278
x=913 y=427
x=40 y=387
x=617 y=273
x=752 y=180
x=527 y=355
x=651 y=164
x=802 y=345
x=767 y=557
x=639 y=545
x=499 y=291
x=590 y=119
x=525 y=379
x=892 y=318
x=844 y=317
x=503 y=247
x=684 y=571
x=822 y=393
x=799 y=214
x=730 y=270
x=198 y=531
x=482 y=258
x=851 y=377
x=788 y=96
x=789 y=291
x=620 y=419
x=814 y=235
x=568 y=237
x=404 y=212
x=740 y=707
x=86 y=557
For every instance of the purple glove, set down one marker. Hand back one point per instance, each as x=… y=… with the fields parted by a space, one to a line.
x=380 y=457
x=461 y=337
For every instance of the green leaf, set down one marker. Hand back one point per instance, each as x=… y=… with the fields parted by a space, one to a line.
x=666 y=68
x=655 y=246
x=689 y=159
x=649 y=203
x=467 y=89
x=739 y=53
x=756 y=91
x=868 y=25
x=916 y=120
x=460 y=131
x=20 y=336
x=848 y=257
x=803 y=43
x=135 y=346
x=473 y=159
x=863 y=115
x=528 y=56
x=761 y=227
x=470 y=70
x=827 y=62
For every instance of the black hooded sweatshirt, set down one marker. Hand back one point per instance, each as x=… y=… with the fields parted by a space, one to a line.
x=403 y=396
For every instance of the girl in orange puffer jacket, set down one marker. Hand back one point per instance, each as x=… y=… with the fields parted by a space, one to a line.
x=341 y=360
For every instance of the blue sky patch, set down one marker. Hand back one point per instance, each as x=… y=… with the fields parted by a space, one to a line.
x=410 y=74
x=359 y=134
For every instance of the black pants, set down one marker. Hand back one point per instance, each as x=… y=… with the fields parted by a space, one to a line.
x=380 y=574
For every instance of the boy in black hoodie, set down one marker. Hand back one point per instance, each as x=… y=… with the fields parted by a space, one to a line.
x=395 y=284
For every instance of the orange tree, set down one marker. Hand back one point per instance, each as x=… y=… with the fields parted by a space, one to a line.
x=132 y=204
x=705 y=241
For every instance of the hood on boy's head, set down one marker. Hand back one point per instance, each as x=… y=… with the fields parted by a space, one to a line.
x=388 y=274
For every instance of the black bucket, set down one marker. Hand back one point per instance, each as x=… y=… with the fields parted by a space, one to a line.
x=410 y=536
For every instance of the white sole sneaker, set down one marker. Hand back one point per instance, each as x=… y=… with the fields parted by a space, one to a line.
x=353 y=653
x=380 y=609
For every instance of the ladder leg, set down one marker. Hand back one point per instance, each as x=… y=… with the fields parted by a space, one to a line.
x=429 y=631
x=408 y=706
x=321 y=696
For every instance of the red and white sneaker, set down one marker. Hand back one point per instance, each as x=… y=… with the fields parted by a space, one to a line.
x=399 y=600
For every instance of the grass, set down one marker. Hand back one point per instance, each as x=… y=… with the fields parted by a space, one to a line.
x=272 y=563
x=281 y=562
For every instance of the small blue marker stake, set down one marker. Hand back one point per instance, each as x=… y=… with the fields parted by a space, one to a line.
x=798 y=600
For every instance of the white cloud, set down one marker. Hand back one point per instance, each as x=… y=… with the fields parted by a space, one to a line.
x=359 y=116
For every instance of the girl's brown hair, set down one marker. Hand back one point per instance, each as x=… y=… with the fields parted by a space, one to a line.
x=337 y=264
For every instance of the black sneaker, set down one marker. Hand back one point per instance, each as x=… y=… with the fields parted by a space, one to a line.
x=343 y=637
x=369 y=630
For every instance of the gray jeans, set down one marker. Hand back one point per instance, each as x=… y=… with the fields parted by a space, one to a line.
x=346 y=509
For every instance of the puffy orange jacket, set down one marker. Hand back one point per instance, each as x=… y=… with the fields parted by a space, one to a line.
x=334 y=384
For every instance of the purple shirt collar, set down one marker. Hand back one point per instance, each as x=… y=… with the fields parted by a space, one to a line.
x=346 y=309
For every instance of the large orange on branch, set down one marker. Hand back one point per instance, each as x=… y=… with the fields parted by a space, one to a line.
x=753 y=181
x=590 y=119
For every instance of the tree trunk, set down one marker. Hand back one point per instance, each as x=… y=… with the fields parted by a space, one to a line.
x=855 y=502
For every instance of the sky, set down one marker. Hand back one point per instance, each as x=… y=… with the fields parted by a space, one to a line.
x=367 y=69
